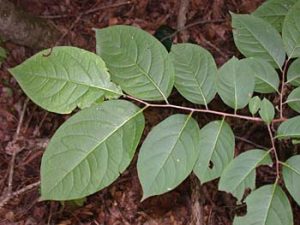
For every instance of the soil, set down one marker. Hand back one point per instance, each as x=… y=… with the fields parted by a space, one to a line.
x=120 y=202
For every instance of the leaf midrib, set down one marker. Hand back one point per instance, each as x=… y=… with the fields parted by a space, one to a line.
x=93 y=149
x=172 y=148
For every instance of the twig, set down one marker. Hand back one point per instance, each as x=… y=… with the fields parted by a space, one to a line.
x=181 y=18
x=6 y=199
x=88 y=11
x=198 y=22
x=13 y=158
x=250 y=142
x=277 y=162
x=281 y=94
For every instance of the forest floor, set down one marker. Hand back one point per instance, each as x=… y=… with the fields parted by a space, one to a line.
x=26 y=128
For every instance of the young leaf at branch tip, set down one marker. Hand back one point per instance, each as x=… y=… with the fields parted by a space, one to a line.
x=168 y=154
x=240 y=173
x=254 y=105
x=291 y=177
x=216 y=150
x=274 y=12
x=255 y=37
x=63 y=78
x=266 y=111
x=137 y=61
x=291 y=31
x=90 y=150
x=195 y=73
x=235 y=83
x=293 y=74
x=289 y=129
x=293 y=99
x=267 y=205
x=266 y=77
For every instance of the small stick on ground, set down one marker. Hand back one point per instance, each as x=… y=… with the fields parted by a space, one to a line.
x=181 y=19
x=13 y=158
x=6 y=199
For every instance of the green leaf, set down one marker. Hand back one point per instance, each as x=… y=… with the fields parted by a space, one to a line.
x=266 y=77
x=216 y=150
x=254 y=105
x=289 y=129
x=266 y=111
x=63 y=78
x=293 y=74
x=195 y=73
x=267 y=205
x=255 y=37
x=291 y=31
x=90 y=150
x=274 y=12
x=235 y=83
x=168 y=154
x=240 y=173
x=291 y=176
x=137 y=61
x=293 y=99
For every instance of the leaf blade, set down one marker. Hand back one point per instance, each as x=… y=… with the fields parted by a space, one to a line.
x=195 y=73
x=266 y=111
x=291 y=176
x=240 y=173
x=168 y=154
x=235 y=83
x=216 y=147
x=93 y=142
x=138 y=62
x=291 y=31
x=67 y=78
x=254 y=37
x=267 y=205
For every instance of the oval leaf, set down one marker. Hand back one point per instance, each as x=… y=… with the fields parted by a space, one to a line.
x=63 y=78
x=289 y=129
x=293 y=100
x=240 y=173
x=255 y=37
x=291 y=177
x=235 y=83
x=293 y=74
x=266 y=111
x=254 y=105
x=274 y=12
x=267 y=205
x=291 y=31
x=266 y=77
x=216 y=150
x=168 y=154
x=90 y=150
x=195 y=73
x=137 y=61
